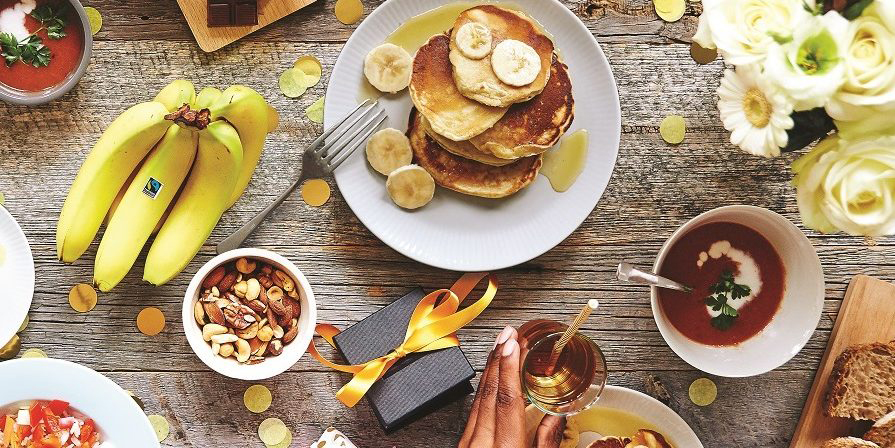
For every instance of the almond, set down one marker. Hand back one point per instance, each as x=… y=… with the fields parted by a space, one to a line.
x=228 y=281
x=214 y=313
x=214 y=277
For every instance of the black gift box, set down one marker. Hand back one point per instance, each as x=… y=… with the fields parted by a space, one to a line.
x=415 y=385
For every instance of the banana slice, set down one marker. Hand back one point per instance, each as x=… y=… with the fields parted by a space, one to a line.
x=410 y=186
x=515 y=63
x=388 y=68
x=474 y=40
x=388 y=150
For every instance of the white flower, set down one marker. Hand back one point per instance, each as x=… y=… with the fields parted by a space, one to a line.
x=848 y=185
x=869 y=65
x=744 y=30
x=755 y=113
x=810 y=67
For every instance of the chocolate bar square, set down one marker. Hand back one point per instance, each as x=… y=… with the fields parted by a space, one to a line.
x=232 y=12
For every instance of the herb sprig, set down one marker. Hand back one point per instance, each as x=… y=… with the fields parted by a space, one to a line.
x=726 y=289
x=31 y=49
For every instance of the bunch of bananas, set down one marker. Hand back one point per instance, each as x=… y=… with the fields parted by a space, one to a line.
x=170 y=167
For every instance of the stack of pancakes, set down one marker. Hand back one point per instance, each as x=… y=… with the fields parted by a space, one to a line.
x=473 y=133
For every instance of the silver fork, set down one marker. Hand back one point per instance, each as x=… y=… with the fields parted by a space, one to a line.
x=319 y=160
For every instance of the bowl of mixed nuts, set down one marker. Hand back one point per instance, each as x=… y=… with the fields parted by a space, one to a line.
x=249 y=314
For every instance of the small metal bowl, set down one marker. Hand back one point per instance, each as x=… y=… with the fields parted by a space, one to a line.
x=20 y=97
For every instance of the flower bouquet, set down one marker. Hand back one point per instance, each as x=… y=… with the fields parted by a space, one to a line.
x=802 y=70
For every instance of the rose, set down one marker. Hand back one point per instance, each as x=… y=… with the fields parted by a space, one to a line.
x=809 y=67
x=869 y=65
x=848 y=185
x=744 y=30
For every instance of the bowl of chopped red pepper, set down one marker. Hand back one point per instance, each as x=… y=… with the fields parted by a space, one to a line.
x=58 y=404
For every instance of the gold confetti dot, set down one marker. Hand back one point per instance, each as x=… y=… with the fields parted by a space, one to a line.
x=285 y=443
x=292 y=83
x=670 y=10
x=673 y=128
x=95 y=19
x=257 y=398
x=312 y=69
x=315 y=111
x=82 y=298
x=315 y=192
x=2 y=199
x=703 y=392
x=151 y=321
x=349 y=11
x=273 y=431
x=34 y=353
x=160 y=426
x=702 y=55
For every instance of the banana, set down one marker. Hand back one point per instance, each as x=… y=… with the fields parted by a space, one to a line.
x=115 y=156
x=410 y=186
x=474 y=40
x=176 y=94
x=247 y=111
x=388 y=68
x=388 y=150
x=143 y=205
x=515 y=63
x=202 y=201
x=207 y=97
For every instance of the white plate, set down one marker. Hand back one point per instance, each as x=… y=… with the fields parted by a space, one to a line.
x=16 y=276
x=117 y=415
x=465 y=233
x=666 y=421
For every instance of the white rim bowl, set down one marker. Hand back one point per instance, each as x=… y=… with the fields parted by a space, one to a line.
x=16 y=273
x=799 y=311
x=119 y=418
x=271 y=366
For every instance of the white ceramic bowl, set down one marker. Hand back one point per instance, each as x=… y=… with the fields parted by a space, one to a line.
x=117 y=415
x=16 y=273
x=271 y=366
x=794 y=322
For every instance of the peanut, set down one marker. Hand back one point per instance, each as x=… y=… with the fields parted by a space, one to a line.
x=240 y=289
x=253 y=289
x=226 y=350
x=265 y=333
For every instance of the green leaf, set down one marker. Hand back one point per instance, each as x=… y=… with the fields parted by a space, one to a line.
x=34 y=52
x=856 y=9
x=56 y=31
x=10 y=48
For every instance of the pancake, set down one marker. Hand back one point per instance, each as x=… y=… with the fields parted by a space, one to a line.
x=534 y=126
x=464 y=148
x=434 y=94
x=476 y=79
x=464 y=175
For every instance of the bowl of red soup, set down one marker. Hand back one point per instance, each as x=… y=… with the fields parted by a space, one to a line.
x=757 y=291
x=45 y=48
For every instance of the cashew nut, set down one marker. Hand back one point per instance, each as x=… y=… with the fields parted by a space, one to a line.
x=211 y=330
x=243 y=350
x=245 y=266
x=224 y=338
x=215 y=348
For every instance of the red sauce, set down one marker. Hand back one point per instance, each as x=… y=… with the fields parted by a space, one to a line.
x=65 y=53
x=688 y=313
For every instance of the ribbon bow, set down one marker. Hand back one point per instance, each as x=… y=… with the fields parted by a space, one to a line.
x=432 y=326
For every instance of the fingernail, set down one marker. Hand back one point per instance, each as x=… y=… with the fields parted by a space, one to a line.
x=510 y=347
x=503 y=336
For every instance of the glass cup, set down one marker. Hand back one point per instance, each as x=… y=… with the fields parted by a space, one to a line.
x=574 y=382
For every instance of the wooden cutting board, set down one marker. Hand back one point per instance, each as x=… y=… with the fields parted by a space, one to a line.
x=213 y=38
x=868 y=302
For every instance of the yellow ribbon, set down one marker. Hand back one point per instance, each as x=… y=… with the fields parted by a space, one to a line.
x=432 y=326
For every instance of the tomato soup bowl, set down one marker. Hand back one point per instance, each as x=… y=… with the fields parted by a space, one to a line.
x=26 y=98
x=796 y=318
x=271 y=366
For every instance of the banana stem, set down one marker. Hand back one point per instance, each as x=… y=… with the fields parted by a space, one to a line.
x=185 y=116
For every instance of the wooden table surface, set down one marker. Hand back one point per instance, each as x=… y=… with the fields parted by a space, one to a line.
x=655 y=188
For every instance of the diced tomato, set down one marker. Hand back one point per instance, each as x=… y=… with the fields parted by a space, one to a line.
x=48 y=441
x=58 y=407
x=37 y=432
x=51 y=423
x=88 y=430
x=37 y=413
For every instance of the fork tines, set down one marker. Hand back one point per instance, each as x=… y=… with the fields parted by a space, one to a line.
x=349 y=134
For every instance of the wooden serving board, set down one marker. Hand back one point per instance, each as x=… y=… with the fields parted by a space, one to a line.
x=214 y=38
x=868 y=304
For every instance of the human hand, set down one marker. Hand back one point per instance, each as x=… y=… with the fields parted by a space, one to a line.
x=497 y=417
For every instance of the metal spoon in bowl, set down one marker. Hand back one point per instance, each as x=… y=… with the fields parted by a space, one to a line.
x=628 y=273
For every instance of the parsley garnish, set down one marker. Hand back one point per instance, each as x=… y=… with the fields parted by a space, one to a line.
x=726 y=289
x=31 y=49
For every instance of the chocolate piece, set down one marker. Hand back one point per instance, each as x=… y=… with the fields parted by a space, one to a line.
x=232 y=12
